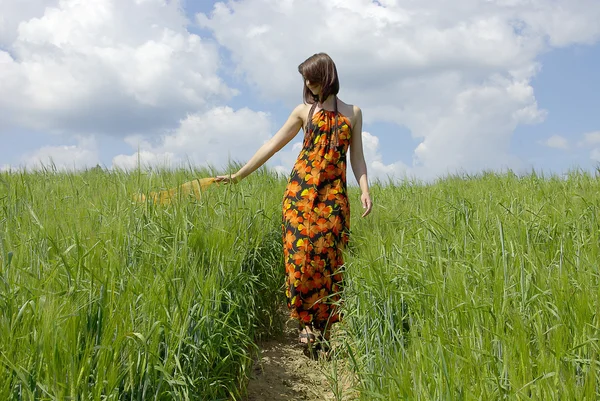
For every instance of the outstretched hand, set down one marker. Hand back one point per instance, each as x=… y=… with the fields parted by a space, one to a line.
x=365 y=199
x=227 y=179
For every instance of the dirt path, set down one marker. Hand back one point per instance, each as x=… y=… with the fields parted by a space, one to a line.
x=285 y=373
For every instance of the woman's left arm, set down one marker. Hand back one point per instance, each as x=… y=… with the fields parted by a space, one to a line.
x=357 y=159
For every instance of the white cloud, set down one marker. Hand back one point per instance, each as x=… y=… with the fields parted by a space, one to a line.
x=375 y=167
x=211 y=138
x=104 y=66
x=145 y=158
x=456 y=74
x=590 y=138
x=84 y=154
x=556 y=142
x=12 y=13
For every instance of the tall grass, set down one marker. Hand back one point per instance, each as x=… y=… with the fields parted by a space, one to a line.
x=104 y=299
x=478 y=288
x=469 y=288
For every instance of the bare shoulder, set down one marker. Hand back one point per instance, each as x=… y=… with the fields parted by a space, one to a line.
x=301 y=112
x=352 y=111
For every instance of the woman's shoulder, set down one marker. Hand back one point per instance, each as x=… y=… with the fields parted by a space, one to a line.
x=301 y=112
x=351 y=111
x=301 y=109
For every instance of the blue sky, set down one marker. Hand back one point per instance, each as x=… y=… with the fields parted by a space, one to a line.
x=443 y=88
x=567 y=87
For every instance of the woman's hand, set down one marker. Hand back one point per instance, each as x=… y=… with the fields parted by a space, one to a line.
x=365 y=199
x=228 y=179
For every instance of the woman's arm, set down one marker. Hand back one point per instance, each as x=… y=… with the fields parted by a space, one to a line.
x=357 y=159
x=287 y=132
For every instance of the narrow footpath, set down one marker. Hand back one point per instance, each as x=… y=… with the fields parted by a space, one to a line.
x=284 y=372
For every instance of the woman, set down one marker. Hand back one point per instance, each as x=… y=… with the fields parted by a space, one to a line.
x=315 y=205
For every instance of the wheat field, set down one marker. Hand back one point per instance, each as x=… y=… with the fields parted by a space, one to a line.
x=467 y=288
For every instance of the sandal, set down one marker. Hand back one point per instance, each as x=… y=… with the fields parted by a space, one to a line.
x=309 y=337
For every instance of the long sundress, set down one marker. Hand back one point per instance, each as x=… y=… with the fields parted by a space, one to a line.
x=316 y=221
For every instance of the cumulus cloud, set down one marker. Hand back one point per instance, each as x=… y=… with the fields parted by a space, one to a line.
x=376 y=168
x=211 y=138
x=556 y=142
x=83 y=154
x=591 y=141
x=110 y=67
x=591 y=138
x=456 y=74
x=12 y=13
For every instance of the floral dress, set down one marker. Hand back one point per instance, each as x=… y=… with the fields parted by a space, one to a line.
x=316 y=219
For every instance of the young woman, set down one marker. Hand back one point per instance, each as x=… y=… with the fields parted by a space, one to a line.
x=316 y=212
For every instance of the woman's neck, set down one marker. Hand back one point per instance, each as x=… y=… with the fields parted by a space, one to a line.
x=328 y=103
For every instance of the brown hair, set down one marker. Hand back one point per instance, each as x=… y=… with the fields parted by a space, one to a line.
x=319 y=69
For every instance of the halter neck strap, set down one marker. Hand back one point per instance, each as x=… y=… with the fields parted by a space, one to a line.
x=308 y=130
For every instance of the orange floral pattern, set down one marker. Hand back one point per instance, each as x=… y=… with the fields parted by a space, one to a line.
x=316 y=222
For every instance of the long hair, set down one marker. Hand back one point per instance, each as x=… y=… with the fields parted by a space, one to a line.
x=319 y=69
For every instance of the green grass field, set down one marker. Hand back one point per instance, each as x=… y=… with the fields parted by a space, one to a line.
x=464 y=289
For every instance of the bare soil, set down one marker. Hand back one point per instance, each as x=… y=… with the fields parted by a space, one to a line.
x=285 y=371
